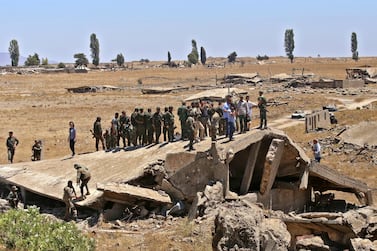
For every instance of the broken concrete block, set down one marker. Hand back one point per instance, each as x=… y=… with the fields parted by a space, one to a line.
x=175 y=161
x=359 y=244
x=172 y=191
x=246 y=228
x=129 y=194
x=312 y=243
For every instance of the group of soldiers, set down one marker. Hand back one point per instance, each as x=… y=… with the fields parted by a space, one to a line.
x=197 y=121
x=140 y=129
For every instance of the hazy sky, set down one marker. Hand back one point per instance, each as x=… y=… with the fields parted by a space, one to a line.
x=148 y=29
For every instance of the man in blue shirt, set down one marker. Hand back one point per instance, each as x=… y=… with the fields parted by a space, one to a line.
x=229 y=115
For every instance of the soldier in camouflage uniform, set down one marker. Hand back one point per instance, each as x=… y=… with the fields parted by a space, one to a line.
x=170 y=123
x=134 y=126
x=124 y=123
x=149 y=126
x=222 y=122
x=157 y=123
x=115 y=131
x=140 y=127
x=107 y=138
x=165 y=124
x=183 y=114
x=97 y=133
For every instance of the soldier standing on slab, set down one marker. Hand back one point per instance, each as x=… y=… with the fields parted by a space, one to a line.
x=165 y=122
x=140 y=127
x=149 y=126
x=183 y=114
x=157 y=123
x=97 y=133
x=115 y=130
x=191 y=129
x=134 y=126
x=171 y=127
x=262 y=104
x=11 y=143
x=124 y=128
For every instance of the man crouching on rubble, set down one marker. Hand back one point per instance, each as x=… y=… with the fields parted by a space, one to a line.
x=83 y=176
x=68 y=196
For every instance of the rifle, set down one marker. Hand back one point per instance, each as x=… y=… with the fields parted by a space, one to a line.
x=91 y=131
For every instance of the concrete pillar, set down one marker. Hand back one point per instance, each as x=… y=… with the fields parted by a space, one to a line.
x=271 y=166
x=249 y=169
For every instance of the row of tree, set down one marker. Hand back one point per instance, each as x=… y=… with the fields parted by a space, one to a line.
x=192 y=57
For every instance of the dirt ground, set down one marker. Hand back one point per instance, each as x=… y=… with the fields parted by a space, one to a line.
x=38 y=106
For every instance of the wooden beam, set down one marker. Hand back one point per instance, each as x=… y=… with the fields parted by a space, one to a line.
x=249 y=169
x=271 y=165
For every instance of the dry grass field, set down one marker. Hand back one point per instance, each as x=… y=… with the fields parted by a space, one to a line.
x=38 y=106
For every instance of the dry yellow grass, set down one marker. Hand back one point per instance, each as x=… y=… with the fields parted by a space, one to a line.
x=39 y=107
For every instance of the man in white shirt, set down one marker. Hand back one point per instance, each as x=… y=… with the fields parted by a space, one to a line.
x=250 y=106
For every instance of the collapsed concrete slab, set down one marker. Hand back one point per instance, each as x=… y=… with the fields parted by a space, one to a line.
x=265 y=163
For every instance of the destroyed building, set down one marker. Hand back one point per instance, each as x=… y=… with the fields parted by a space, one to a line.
x=264 y=165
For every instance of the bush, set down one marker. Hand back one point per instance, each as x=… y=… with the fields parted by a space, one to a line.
x=29 y=230
x=61 y=65
x=144 y=60
x=260 y=58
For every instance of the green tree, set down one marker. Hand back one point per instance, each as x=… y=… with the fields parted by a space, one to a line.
x=232 y=57
x=203 y=55
x=81 y=59
x=61 y=65
x=14 y=52
x=94 y=48
x=32 y=231
x=193 y=57
x=120 y=59
x=355 y=53
x=33 y=60
x=169 y=58
x=289 y=43
x=44 y=61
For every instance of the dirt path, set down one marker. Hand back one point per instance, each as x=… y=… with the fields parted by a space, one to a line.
x=352 y=104
x=349 y=104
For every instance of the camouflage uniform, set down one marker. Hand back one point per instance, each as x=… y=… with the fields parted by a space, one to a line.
x=115 y=131
x=165 y=118
x=69 y=194
x=140 y=128
x=170 y=124
x=149 y=126
x=97 y=133
x=183 y=114
x=262 y=104
x=157 y=123
x=134 y=126
x=83 y=175
x=124 y=123
x=107 y=138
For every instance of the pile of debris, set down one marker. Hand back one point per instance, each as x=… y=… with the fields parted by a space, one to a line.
x=369 y=74
x=242 y=79
x=244 y=188
x=93 y=88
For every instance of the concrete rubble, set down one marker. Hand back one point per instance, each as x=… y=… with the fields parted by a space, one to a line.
x=261 y=191
x=242 y=79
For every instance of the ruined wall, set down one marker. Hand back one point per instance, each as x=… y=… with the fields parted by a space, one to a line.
x=317 y=120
